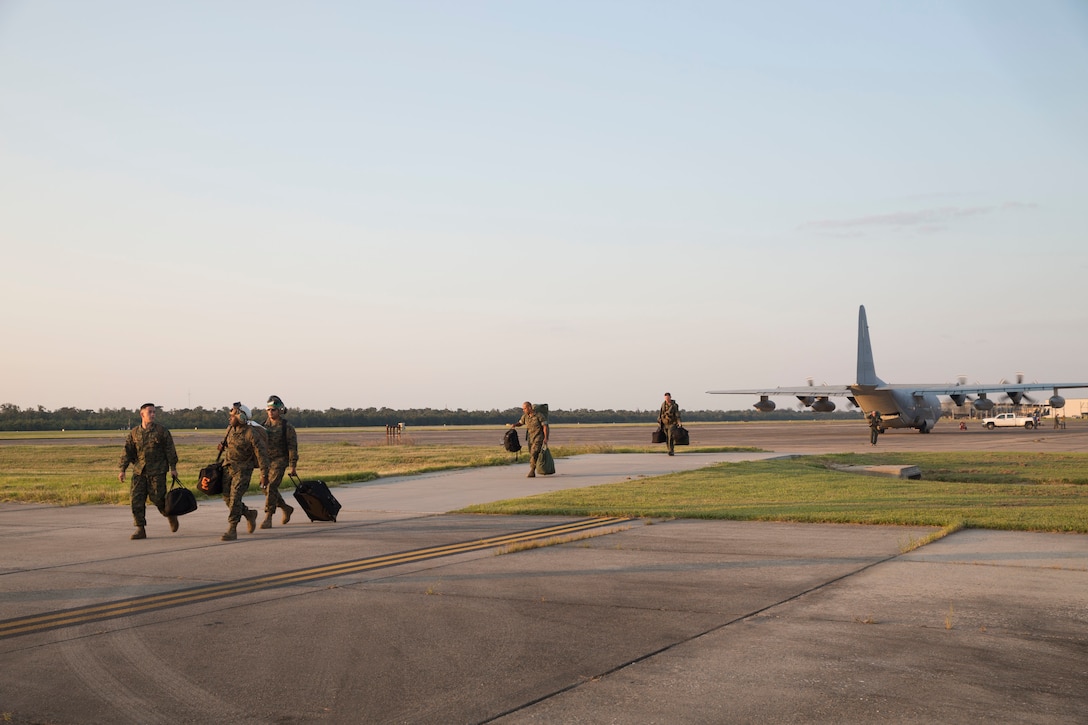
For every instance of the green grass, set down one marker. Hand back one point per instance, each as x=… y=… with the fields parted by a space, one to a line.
x=1026 y=492
x=1015 y=491
x=80 y=474
x=84 y=474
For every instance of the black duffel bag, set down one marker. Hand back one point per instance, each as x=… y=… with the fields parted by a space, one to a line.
x=659 y=435
x=211 y=478
x=680 y=436
x=179 y=500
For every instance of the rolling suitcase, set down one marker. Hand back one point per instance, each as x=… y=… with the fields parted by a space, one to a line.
x=316 y=499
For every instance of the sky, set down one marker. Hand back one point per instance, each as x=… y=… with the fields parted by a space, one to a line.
x=470 y=204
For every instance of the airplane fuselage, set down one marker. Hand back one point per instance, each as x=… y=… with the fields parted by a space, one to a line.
x=899 y=408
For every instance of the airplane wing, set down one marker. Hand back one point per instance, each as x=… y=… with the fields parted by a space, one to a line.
x=984 y=389
x=807 y=390
x=951 y=389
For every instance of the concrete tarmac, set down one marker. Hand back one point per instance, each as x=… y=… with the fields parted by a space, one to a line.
x=650 y=622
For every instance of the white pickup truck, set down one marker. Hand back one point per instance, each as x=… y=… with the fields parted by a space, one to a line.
x=1008 y=420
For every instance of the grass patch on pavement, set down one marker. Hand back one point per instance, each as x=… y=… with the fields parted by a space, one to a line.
x=1021 y=491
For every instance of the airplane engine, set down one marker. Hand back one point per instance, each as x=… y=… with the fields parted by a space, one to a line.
x=764 y=405
x=1056 y=401
x=806 y=400
x=823 y=405
x=959 y=398
x=983 y=404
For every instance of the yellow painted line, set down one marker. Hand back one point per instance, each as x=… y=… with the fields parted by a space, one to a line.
x=109 y=610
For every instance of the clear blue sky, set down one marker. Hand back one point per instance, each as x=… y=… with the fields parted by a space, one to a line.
x=471 y=204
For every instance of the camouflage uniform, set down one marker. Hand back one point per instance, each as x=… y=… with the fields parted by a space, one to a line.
x=669 y=418
x=534 y=435
x=246 y=448
x=283 y=454
x=875 y=423
x=151 y=452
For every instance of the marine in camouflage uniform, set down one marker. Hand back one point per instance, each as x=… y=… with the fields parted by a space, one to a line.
x=149 y=449
x=536 y=433
x=876 y=422
x=669 y=418
x=283 y=454
x=244 y=448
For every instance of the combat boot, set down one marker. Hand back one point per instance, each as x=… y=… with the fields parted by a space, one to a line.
x=287 y=511
x=267 y=523
x=173 y=523
x=232 y=533
x=251 y=520
x=139 y=533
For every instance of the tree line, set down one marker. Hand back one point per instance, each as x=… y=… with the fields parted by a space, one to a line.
x=14 y=418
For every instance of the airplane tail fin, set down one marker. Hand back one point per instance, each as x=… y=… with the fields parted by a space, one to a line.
x=866 y=367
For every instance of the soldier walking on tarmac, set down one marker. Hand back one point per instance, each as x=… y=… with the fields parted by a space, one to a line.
x=875 y=426
x=149 y=448
x=283 y=454
x=243 y=450
x=536 y=433
x=669 y=418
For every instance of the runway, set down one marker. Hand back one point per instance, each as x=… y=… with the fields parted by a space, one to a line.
x=814 y=436
x=650 y=622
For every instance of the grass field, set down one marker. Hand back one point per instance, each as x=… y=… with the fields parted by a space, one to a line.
x=1026 y=492
x=86 y=474
x=1016 y=491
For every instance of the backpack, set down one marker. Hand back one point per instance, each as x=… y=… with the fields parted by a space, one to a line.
x=510 y=440
x=541 y=410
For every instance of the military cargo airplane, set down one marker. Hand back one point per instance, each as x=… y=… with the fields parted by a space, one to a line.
x=900 y=406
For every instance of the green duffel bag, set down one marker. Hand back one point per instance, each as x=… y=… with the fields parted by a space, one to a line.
x=545 y=465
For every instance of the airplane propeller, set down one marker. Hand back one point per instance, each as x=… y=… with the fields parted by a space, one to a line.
x=961 y=398
x=807 y=400
x=1016 y=397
